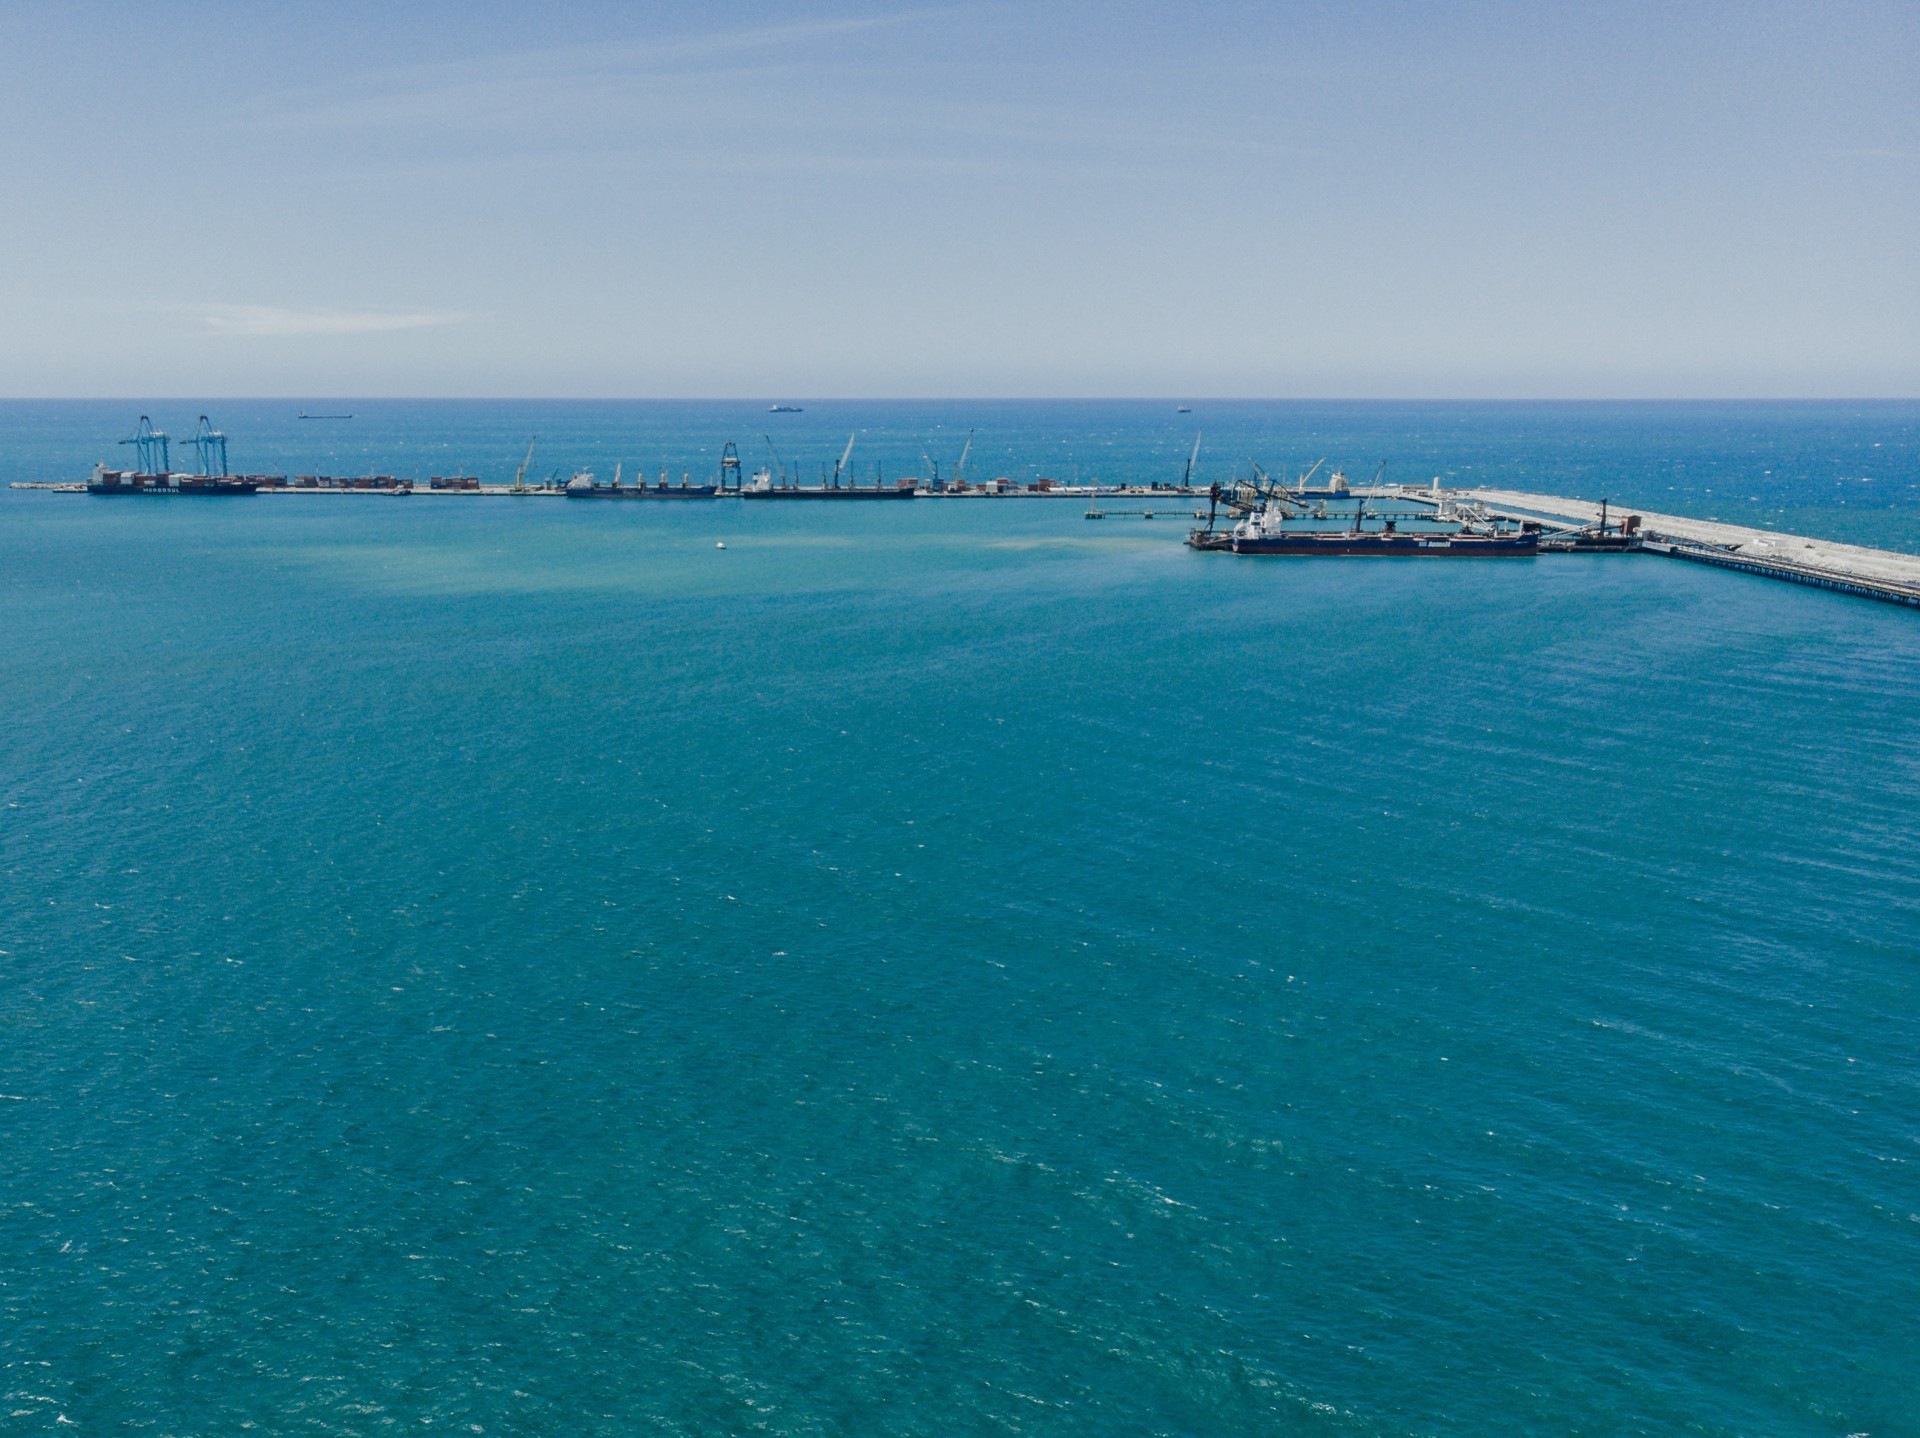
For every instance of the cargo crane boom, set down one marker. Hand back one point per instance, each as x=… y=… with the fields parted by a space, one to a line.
x=148 y=443
x=210 y=450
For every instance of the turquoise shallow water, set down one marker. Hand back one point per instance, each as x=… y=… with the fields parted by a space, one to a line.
x=509 y=964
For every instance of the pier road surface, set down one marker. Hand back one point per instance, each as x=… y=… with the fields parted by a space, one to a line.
x=1854 y=561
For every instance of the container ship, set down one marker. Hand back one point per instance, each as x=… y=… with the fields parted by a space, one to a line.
x=155 y=472
x=126 y=481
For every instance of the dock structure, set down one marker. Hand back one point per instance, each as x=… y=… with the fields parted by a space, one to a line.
x=1882 y=574
x=466 y=486
x=1577 y=525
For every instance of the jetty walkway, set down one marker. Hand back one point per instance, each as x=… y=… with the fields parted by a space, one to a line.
x=1883 y=574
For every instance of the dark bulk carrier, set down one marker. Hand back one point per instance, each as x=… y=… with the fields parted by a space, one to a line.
x=1277 y=520
x=1264 y=534
x=585 y=486
x=764 y=486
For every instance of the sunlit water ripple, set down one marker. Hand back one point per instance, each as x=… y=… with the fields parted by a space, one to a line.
x=510 y=965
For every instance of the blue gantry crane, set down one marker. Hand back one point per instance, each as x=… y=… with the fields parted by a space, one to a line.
x=149 y=444
x=210 y=446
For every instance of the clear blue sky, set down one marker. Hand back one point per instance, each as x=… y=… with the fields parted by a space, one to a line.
x=976 y=199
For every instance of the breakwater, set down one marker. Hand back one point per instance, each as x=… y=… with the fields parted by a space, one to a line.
x=1867 y=573
x=1581 y=525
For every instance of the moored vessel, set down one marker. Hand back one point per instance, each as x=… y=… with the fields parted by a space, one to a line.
x=1276 y=519
x=1267 y=531
x=1386 y=543
x=762 y=487
x=585 y=486
x=126 y=481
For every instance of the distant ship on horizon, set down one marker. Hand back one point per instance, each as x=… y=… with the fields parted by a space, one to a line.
x=304 y=415
x=784 y=409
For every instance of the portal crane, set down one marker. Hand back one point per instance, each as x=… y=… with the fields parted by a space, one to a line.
x=210 y=449
x=147 y=443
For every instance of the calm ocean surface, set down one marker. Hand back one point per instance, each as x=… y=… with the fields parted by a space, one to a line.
x=508 y=966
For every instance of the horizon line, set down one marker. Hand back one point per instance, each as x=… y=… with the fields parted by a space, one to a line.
x=956 y=399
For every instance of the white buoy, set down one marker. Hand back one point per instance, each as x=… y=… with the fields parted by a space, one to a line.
x=721 y=545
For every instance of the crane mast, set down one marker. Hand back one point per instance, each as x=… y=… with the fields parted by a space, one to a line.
x=210 y=449
x=148 y=444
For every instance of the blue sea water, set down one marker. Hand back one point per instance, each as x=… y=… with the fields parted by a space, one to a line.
x=511 y=966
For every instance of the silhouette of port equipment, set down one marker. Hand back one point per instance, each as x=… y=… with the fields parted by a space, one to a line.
x=210 y=449
x=149 y=448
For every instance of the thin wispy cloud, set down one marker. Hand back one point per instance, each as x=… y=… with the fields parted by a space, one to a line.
x=513 y=83
x=278 y=321
x=697 y=105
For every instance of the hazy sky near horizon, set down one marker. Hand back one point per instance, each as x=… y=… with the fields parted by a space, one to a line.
x=1040 y=199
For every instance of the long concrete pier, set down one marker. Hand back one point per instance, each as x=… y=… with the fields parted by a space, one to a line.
x=411 y=488
x=1882 y=574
